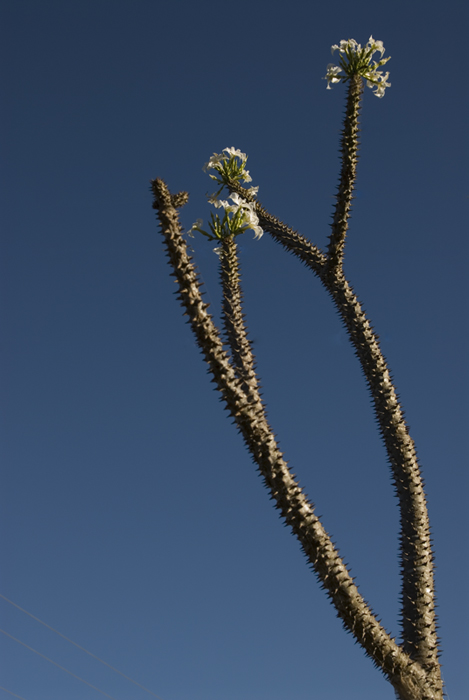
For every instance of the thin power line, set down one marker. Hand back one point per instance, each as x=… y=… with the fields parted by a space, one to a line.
x=56 y=664
x=14 y=694
x=79 y=647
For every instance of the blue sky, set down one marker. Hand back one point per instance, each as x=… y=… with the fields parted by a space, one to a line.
x=133 y=520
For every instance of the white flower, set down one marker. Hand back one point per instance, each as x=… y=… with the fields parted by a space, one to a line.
x=197 y=225
x=251 y=220
x=214 y=160
x=375 y=46
x=346 y=45
x=230 y=208
x=331 y=75
x=377 y=80
x=229 y=165
x=249 y=215
x=235 y=152
x=238 y=203
x=253 y=191
x=357 y=61
x=237 y=199
x=219 y=203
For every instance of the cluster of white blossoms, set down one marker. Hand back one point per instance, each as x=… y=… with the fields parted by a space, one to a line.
x=357 y=61
x=240 y=216
x=246 y=211
x=228 y=167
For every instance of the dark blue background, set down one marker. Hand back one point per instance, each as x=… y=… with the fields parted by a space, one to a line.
x=133 y=518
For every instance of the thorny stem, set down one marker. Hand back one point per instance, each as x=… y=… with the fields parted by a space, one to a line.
x=233 y=323
x=417 y=593
x=418 y=617
x=407 y=676
x=288 y=237
x=349 y=158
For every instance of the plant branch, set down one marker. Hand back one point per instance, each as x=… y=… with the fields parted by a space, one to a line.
x=406 y=675
x=233 y=318
x=418 y=616
x=349 y=159
x=417 y=594
x=291 y=240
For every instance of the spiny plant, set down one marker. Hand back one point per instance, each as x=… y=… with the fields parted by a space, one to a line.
x=412 y=666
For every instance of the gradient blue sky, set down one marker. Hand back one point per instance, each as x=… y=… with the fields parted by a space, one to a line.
x=132 y=517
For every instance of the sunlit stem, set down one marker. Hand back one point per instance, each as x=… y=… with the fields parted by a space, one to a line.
x=349 y=160
x=233 y=318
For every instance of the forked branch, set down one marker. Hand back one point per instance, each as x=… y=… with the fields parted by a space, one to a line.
x=412 y=667
x=407 y=676
x=418 y=618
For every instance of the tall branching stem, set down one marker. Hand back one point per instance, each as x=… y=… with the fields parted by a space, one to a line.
x=412 y=667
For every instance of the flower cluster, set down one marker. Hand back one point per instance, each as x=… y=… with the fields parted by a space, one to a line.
x=357 y=61
x=240 y=215
x=238 y=218
x=228 y=166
